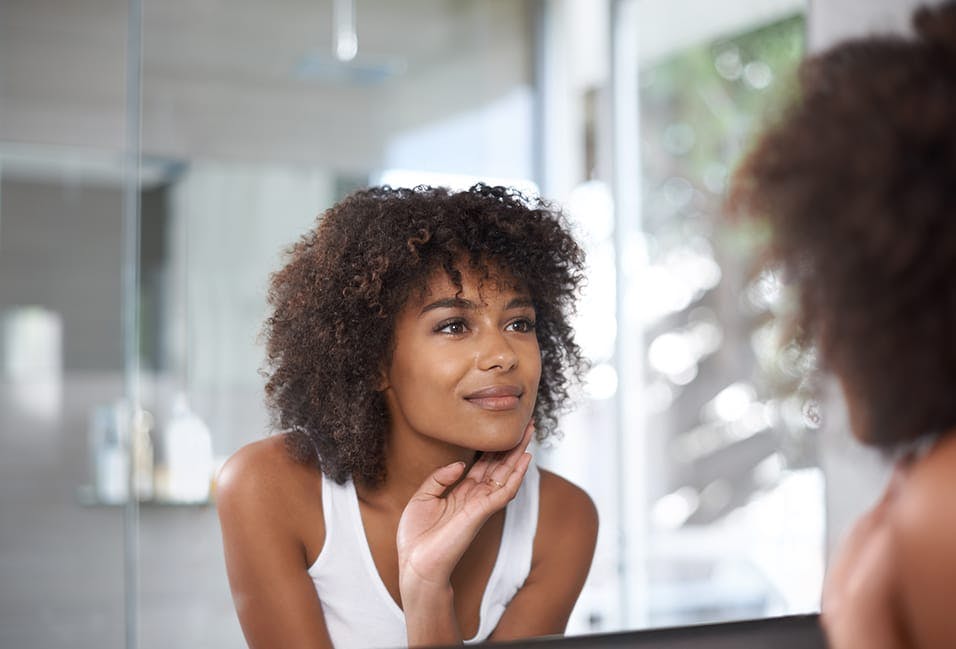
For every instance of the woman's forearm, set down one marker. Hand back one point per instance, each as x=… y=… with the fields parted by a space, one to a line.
x=430 y=615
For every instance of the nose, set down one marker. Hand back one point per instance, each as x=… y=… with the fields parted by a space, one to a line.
x=496 y=353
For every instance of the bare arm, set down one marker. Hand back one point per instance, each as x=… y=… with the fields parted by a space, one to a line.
x=262 y=498
x=563 y=549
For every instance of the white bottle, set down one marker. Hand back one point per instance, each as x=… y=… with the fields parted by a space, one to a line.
x=109 y=454
x=188 y=451
x=112 y=474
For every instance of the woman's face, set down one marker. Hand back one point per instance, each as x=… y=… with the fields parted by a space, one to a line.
x=465 y=366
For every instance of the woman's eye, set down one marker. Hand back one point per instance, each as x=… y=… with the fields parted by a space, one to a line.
x=452 y=327
x=521 y=326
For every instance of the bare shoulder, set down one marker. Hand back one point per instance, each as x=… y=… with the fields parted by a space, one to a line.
x=563 y=498
x=270 y=512
x=926 y=500
x=924 y=531
x=262 y=483
x=567 y=512
x=261 y=467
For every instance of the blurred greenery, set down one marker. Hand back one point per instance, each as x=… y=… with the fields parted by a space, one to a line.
x=718 y=95
x=701 y=109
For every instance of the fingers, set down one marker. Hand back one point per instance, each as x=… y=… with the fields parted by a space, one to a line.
x=504 y=487
x=436 y=484
x=503 y=475
x=499 y=469
x=521 y=468
x=508 y=473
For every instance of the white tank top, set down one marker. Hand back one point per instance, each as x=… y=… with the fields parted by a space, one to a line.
x=359 y=611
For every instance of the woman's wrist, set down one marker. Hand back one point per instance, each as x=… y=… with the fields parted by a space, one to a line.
x=429 y=613
x=415 y=591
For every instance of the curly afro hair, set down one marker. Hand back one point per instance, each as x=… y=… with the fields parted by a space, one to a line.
x=858 y=185
x=335 y=302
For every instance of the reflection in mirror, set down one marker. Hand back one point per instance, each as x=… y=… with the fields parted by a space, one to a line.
x=252 y=125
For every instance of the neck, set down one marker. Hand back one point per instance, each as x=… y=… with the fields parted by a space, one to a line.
x=409 y=460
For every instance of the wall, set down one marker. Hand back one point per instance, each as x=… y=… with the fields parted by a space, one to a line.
x=60 y=248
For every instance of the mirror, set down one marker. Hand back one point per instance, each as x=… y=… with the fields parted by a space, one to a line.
x=694 y=433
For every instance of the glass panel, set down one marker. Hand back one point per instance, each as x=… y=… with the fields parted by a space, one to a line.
x=62 y=455
x=62 y=100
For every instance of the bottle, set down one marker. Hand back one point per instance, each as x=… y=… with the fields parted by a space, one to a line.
x=109 y=455
x=142 y=450
x=187 y=446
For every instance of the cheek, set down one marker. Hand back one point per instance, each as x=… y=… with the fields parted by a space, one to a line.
x=425 y=377
x=531 y=364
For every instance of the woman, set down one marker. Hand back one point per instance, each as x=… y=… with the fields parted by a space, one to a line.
x=858 y=184
x=418 y=338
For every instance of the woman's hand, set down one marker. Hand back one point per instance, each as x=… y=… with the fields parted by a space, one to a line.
x=437 y=527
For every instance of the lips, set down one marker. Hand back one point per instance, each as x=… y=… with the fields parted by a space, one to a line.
x=496 y=397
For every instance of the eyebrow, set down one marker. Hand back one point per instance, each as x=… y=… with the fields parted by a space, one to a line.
x=462 y=303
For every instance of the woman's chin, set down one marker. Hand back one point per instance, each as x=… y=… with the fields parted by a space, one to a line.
x=498 y=441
